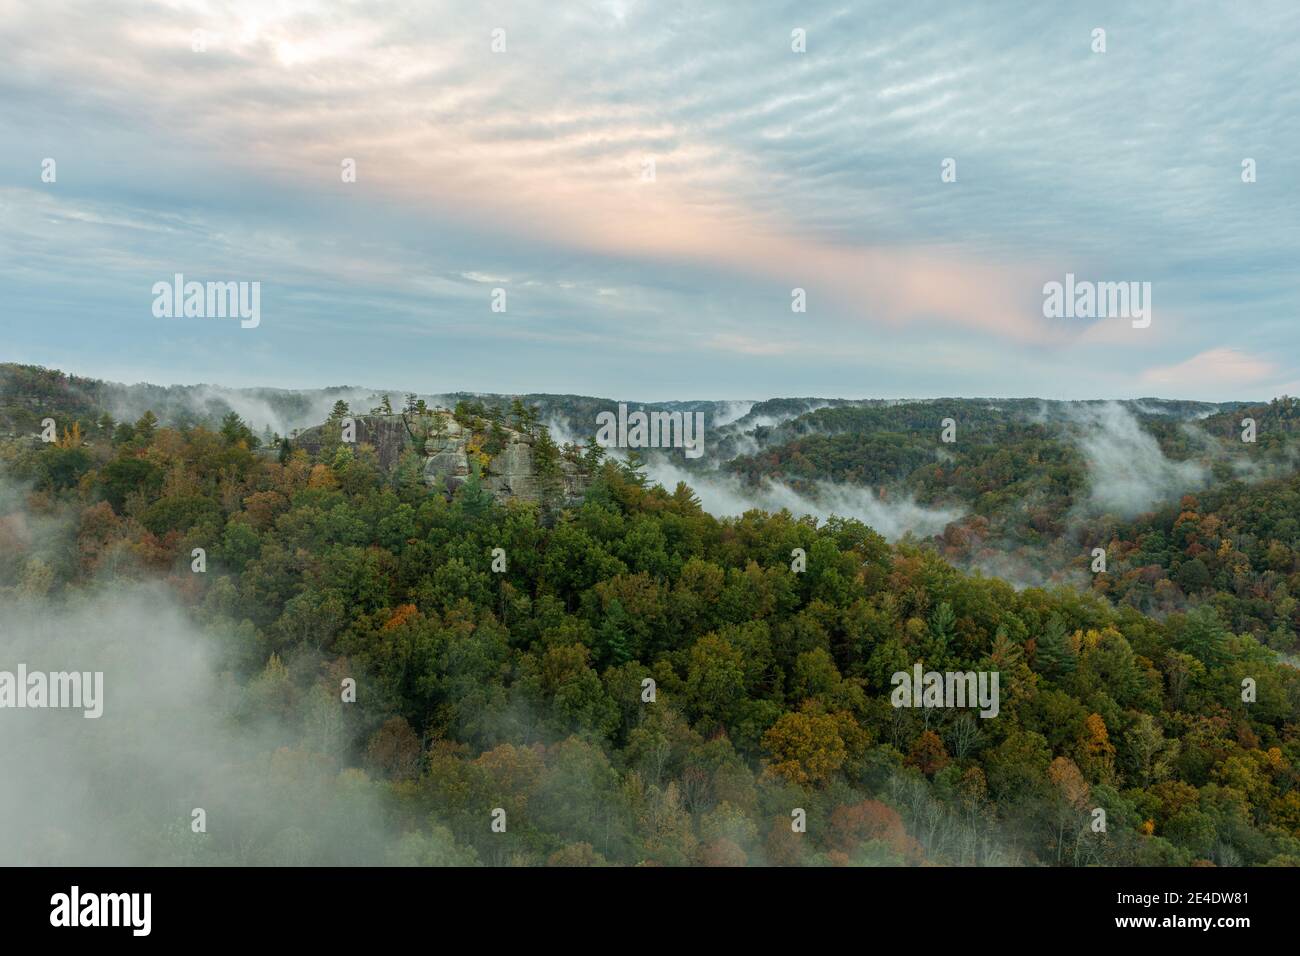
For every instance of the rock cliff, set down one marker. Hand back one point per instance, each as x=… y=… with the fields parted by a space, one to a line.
x=451 y=448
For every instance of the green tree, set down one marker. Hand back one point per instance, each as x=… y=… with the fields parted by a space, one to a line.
x=1055 y=656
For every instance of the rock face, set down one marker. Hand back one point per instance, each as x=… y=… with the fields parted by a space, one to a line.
x=386 y=434
x=510 y=474
x=450 y=449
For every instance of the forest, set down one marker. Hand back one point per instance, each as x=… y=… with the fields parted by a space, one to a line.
x=501 y=654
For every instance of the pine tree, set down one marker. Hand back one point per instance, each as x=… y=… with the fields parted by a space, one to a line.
x=634 y=469
x=594 y=454
x=546 y=455
x=1055 y=656
x=518 y=412
x=145 y=427
x=1204 y=636
x=611 y=639
x=474 y=498
x=1006 y=653
x=937 y=641
x=550 y=477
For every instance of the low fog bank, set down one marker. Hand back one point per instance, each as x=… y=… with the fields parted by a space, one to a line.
x=725 y=495
x=1023 y=570
x=280 y=410
x=1128 y=473
x=121 y=789
x=724 y=413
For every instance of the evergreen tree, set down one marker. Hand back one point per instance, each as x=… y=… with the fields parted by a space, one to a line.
x=475 y=500
x=145 y=427
x=634 y=469
x=234 y=430
x=594 y=455
x=612 y=638
x=550 y=477
x=519 y=413
x=1203 y=636
x=1055 y=655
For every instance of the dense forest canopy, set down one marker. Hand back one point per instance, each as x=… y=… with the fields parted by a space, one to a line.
x=502 y=654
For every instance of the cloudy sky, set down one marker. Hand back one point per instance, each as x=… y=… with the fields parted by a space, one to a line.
x=524 y=169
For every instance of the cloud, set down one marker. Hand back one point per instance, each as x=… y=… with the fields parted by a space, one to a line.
x=747 y=345
x=773 y=170
x=1221 y=367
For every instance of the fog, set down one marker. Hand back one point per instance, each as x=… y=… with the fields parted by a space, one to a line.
x=121 y=789
x=724 y=413
x=1128 y=473
x=178 y=730
x=750 y=421
x=724 y=495
x=281 y=411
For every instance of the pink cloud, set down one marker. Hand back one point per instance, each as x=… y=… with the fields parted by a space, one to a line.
x=1218 y=366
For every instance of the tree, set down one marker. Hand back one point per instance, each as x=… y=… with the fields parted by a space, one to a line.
x=235 y=430
x=550 y=478
x=871 y=821
x=593 y=455
x=144 y=429
x=62 y=466
x=1006 y=653
x=634 y=469
x=1203 y=636
x=1055 y=656
x=612 y=638
x=519 y=412
x=1017 y=767
x=1193 y=576
x=806 y=747
x=715 y=678
x=394 y=750
x=928 y=754
x=1096 y=752
x=576 y=854
x=941 y=631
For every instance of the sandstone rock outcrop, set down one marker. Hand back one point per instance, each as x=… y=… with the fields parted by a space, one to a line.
x=450 y=450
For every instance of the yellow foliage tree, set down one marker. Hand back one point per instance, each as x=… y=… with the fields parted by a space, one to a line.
x=806 y=747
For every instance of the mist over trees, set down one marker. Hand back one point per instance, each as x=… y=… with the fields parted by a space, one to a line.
x=523 y=689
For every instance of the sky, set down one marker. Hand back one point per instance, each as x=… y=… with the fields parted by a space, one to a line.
x=509 y=146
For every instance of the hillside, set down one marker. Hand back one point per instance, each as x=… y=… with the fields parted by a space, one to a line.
x=633 y=680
